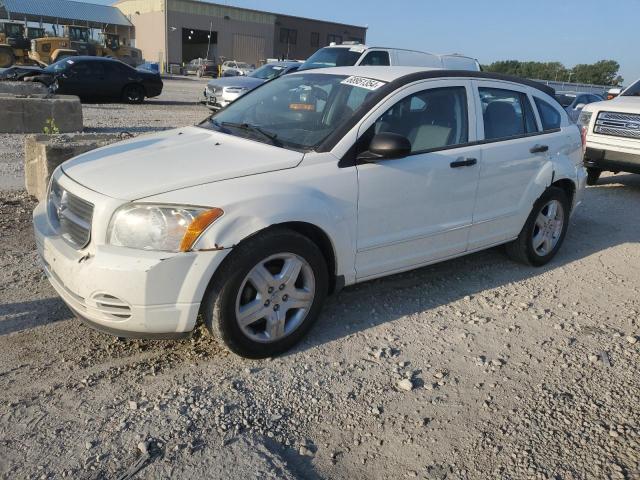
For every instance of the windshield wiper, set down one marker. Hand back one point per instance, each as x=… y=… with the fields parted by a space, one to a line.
x=272 y=137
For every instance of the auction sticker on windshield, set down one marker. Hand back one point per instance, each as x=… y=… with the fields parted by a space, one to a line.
x=363 y=82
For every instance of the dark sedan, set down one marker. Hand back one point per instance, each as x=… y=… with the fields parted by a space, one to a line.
x=101 y=78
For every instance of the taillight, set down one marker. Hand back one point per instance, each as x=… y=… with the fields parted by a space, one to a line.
x=583 y=124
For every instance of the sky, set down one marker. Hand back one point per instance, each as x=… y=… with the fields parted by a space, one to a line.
x=569 y=31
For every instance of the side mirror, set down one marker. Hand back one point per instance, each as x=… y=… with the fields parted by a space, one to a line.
x=579 y=106
x=386 y=146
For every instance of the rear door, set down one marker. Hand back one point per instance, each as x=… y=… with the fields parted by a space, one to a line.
x=513 y=153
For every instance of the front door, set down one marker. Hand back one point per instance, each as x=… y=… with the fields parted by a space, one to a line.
x=418 y=209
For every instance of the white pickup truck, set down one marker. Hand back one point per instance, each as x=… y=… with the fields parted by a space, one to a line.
x=611 y=130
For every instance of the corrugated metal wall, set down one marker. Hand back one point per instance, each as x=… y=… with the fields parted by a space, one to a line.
x=248 y=48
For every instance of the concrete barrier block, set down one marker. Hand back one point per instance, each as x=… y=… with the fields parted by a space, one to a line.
x=30 y=113
x=44 y=153
x=23 y=88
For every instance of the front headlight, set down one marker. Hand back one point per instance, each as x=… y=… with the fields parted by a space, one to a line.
x=160 y=227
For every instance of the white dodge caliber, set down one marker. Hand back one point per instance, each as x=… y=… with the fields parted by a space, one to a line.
x=311 y=182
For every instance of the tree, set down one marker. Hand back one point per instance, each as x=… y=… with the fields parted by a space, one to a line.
x=604 y=72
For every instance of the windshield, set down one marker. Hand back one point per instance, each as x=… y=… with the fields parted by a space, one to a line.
x=633 y=90
x=14 y=30
x=294 y=111
x=565 y=99
x=59 y=66
x=332 y=57
x=267 y=72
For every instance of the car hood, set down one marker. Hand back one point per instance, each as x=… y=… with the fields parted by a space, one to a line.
x=153 y=164
x=619 y=104
x=242 y=82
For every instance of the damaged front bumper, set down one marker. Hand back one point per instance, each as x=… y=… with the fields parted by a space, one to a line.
x=123 y=291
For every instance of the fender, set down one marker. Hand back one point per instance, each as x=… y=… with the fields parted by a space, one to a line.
x=245 y=218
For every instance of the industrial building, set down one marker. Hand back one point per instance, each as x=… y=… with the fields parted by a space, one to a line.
x=177 y=31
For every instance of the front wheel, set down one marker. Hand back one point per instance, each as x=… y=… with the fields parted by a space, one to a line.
x=133 y=94
x=267 y=294
x=544 y=230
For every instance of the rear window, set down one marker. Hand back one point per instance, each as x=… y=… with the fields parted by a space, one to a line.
x=564 y=99
x=549 y=115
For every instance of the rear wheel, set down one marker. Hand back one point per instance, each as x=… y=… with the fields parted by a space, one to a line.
x=7 y=58
x=133 y=94
x=544 y=230
x=267 y=294
x=593 y=175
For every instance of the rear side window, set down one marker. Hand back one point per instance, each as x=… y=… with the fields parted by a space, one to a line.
x=376 y=58
x=550 y=117
x=506 y=114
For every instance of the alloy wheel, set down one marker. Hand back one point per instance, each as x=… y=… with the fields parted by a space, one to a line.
x=275 y=297
x=548 y=228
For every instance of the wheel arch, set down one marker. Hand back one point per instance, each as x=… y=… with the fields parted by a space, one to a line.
x=568 y=186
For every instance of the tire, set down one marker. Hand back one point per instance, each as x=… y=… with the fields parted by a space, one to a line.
x=526 y=248
x=233 y=289
x=133 y=94
x=7 y=58
x=593 y=175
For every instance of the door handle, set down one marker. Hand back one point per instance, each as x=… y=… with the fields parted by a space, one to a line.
x=463 y=162
x=539 y=149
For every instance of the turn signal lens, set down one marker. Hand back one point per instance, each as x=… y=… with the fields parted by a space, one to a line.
x=197 y=226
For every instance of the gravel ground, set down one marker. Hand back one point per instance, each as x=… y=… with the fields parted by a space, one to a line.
x=474 y=368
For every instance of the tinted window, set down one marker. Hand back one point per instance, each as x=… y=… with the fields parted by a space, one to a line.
x=550 y=117
x=430 y=119
x=88 y=70
x=506 y=113
x=376 y=58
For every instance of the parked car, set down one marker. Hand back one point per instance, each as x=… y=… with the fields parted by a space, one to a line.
x=612 y=134
x=574 y=102
x=201 y=67
x=355 y=54
x=101 y=78
x=222 y=91
x=234 y=68
x=314 y=181
x=613 y=93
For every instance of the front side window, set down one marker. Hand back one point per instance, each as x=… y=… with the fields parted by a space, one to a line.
x=506 y=113
x=432 y=119
x=294 y=111
x=376 y=58
x=550 y=117
x=268 y=71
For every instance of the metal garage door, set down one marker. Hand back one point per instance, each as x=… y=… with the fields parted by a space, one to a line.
x=248 y=48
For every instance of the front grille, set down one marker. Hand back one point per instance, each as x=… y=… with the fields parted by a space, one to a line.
x=70 y=215
x=618 y=124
